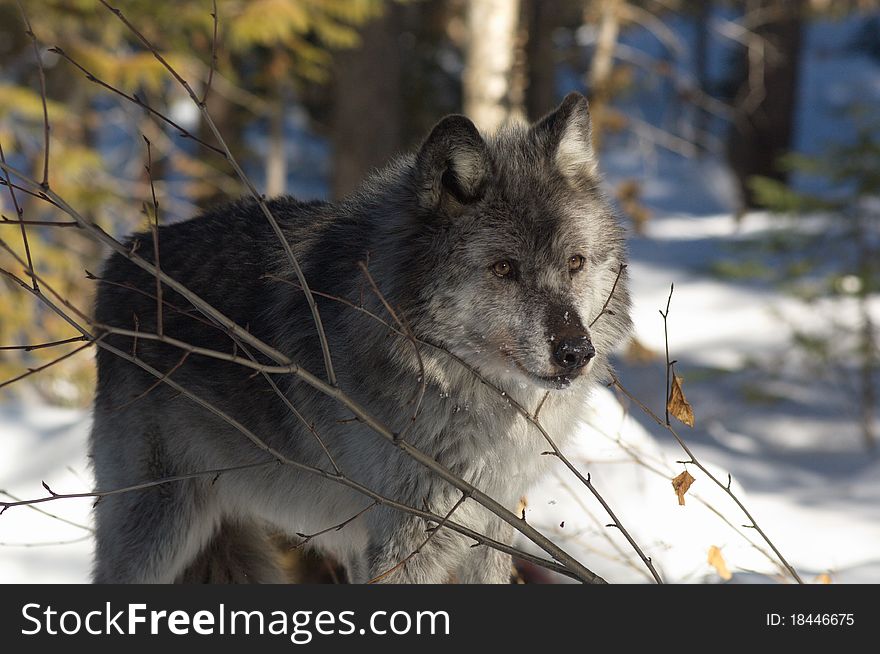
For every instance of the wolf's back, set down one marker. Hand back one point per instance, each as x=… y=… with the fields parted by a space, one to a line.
x=223 y=257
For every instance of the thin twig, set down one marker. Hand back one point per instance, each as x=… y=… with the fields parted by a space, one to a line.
x=30 y=32
x=35 y=194
x=415 y=552
x=154 y=385
x=213 y=66
x=286 y=401
x=40 y=346
x=639 y=458
x=33 y=371
x=404 y=326
x=604 y=532
x=19 y=213
x=53 y=496
x=48 y=543
x=666 y=341
x=40 y=223
x=47 y=514
x=182 y=132
x=154 y=228
x=604 y=310
x=37 y=292
x=306 y=538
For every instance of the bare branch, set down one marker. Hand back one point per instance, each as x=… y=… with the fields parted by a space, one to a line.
x=604 y=310
x=306 y=538
x=154 y=228
x=404 y=327
x=19 y=213
x=30 y=32
x=182 y=132
x=47 y=514
x=213 y=65
x=666 y=341
x=418 y=550
x=38 y=223
x=40 y=346
x=33 y=371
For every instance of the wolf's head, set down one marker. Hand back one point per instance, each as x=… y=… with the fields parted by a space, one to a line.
x=512 y=250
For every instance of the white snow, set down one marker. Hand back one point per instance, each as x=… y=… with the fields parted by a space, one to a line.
x=42 y=443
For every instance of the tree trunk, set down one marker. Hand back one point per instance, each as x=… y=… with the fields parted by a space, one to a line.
x=488 y=79
x=276 y=154
x=764 y=107
x=599 y=75
x=366 y=116
x=543 y=17
x=703 y=11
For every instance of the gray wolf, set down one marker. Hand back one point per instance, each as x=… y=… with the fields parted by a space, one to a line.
x=500 y=249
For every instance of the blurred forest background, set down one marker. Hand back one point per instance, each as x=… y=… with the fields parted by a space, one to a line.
x=747 y=132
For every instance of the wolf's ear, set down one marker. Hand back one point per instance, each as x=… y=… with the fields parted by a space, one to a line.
x=452 y=165
x=568 y=135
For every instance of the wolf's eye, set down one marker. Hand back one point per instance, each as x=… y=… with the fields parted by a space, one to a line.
x=576 y=263
x=502 y=268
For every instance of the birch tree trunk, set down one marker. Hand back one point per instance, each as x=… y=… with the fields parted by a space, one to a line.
x=599 y=75
x=490 y=95
x=276 y=156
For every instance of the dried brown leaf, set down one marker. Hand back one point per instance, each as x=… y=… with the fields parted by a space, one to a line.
x=681 y=484
x=716 y=560
x=678 y=405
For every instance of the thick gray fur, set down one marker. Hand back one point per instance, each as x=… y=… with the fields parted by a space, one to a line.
x=430 y=226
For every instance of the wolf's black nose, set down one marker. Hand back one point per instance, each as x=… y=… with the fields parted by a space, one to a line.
x=574 y=352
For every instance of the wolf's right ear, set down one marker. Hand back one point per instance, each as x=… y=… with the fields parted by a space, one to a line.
x=568 y=136
x=452 y=166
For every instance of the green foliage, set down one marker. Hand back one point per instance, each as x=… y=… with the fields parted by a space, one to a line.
x=777 y=195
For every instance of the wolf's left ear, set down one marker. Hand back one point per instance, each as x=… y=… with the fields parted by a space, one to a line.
x=568 y=137
x=452 y=166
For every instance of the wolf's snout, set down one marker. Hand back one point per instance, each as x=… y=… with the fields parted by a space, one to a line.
x=573 y=352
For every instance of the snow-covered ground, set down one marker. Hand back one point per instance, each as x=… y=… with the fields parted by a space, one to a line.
x=42 y=443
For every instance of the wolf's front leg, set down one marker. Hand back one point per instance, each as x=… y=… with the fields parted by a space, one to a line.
x=484 y=564
x=402 y=553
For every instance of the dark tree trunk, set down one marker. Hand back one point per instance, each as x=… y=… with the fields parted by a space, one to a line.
x=366 y=114
x=542 y=18
x=703 y=11
x=764 y=111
